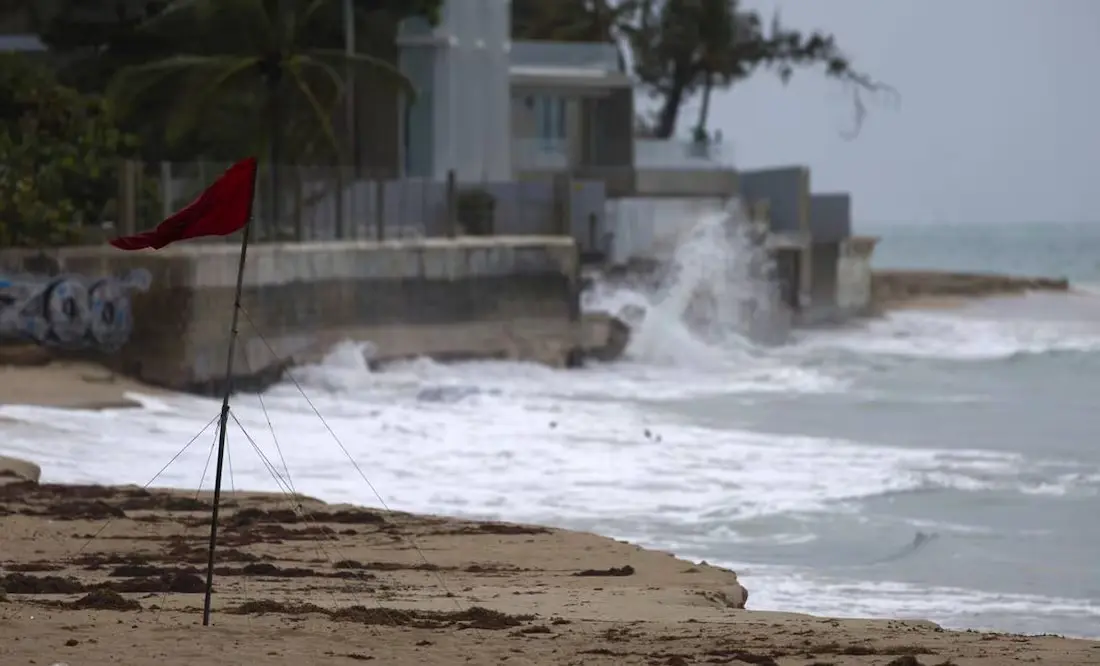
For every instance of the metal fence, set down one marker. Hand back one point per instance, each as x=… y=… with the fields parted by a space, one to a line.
x=324 y=203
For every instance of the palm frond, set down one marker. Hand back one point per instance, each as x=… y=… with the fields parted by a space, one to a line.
x=256 y=14
x=307 y=61
x=297 y=64
x=250 y=13
x=389 y=73
x=204 y=86
x=169 y=13
x=131 y=83
x=302 y=19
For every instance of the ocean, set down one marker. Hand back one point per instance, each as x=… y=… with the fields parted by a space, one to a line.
x=930 y=464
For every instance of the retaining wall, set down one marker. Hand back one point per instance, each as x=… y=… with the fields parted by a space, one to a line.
x=854 y=276
x=499 y=297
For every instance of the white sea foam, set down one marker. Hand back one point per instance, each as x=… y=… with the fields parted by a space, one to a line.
x=780 y=587
x=512 y=453
x=998 y=329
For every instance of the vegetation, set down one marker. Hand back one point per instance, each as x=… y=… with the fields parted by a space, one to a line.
x=475 y=211
x=266 y=68
x=678 y=48
x=205 y=80
x=153 y=54
x=62 y=154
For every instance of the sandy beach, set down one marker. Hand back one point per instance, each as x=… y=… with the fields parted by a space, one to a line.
x=96 y=575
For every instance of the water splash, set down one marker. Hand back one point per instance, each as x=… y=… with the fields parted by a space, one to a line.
x=714 y=296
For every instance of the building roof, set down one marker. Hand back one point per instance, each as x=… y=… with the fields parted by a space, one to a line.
x=566 y=63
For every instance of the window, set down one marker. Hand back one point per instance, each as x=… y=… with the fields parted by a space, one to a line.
x=550 y=120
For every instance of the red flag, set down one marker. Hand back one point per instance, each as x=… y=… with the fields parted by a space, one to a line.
x=221 y=209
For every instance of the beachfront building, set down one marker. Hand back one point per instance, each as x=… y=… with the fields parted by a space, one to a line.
x=493 y=109
x=823 y=270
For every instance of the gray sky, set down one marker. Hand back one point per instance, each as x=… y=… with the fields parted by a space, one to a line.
x=997 y=121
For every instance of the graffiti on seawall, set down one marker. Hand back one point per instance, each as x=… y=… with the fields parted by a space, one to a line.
x=69 y=311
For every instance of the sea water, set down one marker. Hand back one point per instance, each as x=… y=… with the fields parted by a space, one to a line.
x=936 y=464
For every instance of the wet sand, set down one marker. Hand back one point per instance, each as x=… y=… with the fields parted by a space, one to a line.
x=96 y=575
x=68 y=385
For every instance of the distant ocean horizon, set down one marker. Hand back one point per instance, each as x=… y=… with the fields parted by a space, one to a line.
x=1038 y=249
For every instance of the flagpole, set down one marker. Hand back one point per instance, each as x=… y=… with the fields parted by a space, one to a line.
x=224 y=418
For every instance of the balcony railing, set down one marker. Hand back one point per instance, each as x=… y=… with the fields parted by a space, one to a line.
x=544 y=154
x=680 y=154
x=541 y=154
x=601 y=57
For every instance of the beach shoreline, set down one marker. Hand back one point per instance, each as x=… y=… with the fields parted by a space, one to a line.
x=33 y=375
x=97 y=574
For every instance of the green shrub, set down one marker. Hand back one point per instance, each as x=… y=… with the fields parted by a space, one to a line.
x=476 y=212
x=60 y=155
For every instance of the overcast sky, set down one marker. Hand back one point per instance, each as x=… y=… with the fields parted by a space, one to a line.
x=997 y=121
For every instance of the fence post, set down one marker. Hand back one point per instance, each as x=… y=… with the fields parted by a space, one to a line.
x=167 y=191
x=127 y=198
x=563 y=200
x=341 y=212
x=299 y=204
x=380 y=210
x=452 y=204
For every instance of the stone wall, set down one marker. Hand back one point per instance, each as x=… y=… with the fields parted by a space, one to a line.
x=498 y=297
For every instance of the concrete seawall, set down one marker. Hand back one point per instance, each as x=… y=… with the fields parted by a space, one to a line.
x=499 y=297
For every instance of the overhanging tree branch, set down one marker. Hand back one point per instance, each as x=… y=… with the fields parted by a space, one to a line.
x=787 y=49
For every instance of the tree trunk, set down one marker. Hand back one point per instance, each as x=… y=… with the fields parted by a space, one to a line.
x=704 y=107
x=670 y=111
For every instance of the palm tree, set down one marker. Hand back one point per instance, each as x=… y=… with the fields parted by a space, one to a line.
x=256 y=54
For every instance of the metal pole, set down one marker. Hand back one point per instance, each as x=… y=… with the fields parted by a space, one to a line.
x=349 y=50
x=349 y=120
x=224 y=419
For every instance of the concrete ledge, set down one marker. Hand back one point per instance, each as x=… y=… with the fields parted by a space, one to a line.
x=215 y=264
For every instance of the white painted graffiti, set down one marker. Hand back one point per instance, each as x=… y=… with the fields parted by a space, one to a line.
x=70 y=311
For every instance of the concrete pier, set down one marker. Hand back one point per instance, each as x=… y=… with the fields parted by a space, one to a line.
x=898 y=288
